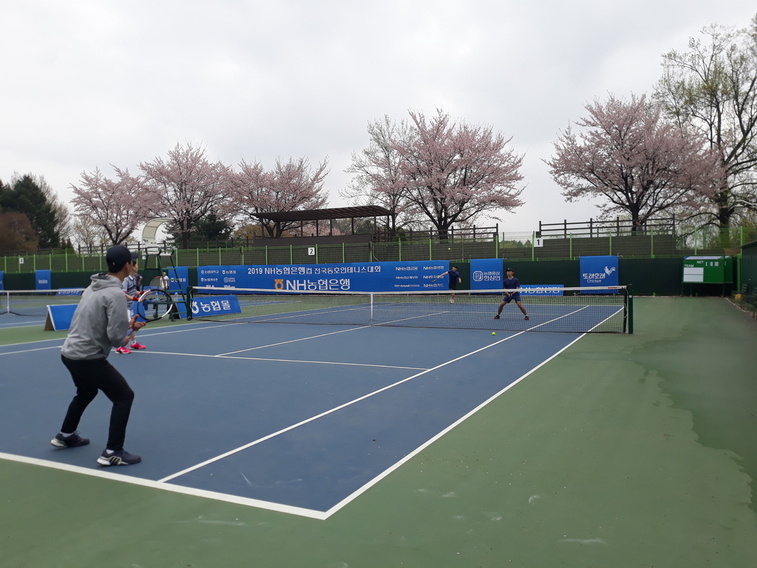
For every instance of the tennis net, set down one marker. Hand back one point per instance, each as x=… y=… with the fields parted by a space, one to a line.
x=35 y=302
x=555 y=309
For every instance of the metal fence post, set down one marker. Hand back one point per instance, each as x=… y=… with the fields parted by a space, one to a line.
x=533 y=245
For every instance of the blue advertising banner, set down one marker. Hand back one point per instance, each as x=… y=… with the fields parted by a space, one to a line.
x=44 y=280
x=59 y=316
x=2 y=286
x=486 y=273
x=599 y=271
x=215 y=305
x=356 y=277
x=69 y=292
x=179 y=278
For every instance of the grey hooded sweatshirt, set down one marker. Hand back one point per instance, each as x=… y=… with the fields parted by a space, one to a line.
x=100 y=321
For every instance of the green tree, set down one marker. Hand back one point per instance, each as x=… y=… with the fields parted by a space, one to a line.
x=32 y=196
x=213 y=228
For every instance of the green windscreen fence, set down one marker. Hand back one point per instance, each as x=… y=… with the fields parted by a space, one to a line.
x=748 y=276
x=646 y=277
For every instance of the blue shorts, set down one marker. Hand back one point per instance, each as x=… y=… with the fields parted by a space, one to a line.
x=509 y=297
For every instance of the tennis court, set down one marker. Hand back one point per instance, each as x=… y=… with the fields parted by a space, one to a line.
x=298 y=419
x=304 y=445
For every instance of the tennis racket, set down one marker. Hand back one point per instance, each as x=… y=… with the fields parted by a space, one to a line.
x=154 y=304
x=160 y=283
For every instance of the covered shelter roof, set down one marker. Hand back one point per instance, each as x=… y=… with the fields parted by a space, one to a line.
x=320 y=214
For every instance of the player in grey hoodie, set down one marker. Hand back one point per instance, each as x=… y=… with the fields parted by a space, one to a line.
x=100 y=323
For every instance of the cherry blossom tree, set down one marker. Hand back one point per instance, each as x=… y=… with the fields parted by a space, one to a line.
x=291 y=186
x=378 y=174
x=187 y=186
x=627 y=154
x=117 y=206
x=712 y=88
x=448 y=172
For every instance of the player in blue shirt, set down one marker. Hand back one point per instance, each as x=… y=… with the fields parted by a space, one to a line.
x=454 y=280
x=511 y=283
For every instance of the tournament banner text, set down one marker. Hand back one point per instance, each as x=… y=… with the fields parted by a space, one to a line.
x=355 y=277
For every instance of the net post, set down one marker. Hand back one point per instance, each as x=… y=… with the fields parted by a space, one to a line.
x=627 y=310
x=188 y=300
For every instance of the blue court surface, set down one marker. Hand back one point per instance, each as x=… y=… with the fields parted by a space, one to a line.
x=294 y=418
x=11 y=321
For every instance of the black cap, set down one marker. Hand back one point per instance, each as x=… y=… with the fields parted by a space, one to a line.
x=117 y=257
x=509 y=270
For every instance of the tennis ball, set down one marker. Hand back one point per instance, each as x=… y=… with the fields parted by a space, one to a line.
x=494 y=333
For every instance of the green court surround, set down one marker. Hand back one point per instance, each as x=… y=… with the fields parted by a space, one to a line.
x=624 y=451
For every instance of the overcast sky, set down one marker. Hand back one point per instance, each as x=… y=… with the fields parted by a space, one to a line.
x=86 y=84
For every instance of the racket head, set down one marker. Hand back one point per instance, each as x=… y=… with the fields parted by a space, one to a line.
x=154 y=304
x=156 y=282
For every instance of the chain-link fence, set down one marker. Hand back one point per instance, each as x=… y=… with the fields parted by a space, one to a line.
x=514 y=245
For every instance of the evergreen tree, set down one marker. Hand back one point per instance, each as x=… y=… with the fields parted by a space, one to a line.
x=27 y=194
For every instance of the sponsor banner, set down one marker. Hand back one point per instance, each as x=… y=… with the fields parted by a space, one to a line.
x=59 y=316
x=2 y=286
x=486 y=273
x=599 y=271
x=356 y=277
x=44 y=280
x=178 y=277
x=69 y=292
x=215 y=305
x=541 y=290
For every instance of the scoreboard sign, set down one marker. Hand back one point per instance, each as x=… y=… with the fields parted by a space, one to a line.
x=707 y=270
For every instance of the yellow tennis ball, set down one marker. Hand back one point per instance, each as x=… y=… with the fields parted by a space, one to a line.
x=494 y=333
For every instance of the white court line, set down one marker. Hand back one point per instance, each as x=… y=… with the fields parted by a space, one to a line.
x=272 y=506
x=13 y=325
x=60 y=340
x=619 y=310
x=108 y=474
x=423 y=446
x=278 y=507
x=558 y=318
x=224 y=356
x=330 y=411
x=349 y=330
